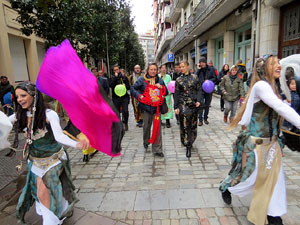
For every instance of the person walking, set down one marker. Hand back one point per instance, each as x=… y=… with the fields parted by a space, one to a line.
x=120 y=102
x=204 y=73
x=102 y=79
x=137 y=111
x=187 y=101
x=222 y=73
x=167 y=78
x=257 y=164
x=232 y=89
x=149 y=112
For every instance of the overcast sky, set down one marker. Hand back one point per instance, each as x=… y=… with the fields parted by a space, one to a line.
x=142 y=11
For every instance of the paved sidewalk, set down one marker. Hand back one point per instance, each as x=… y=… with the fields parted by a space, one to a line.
x=138 y=188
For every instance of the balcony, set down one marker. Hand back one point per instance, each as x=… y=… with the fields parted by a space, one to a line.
x=166 y=14
x=182 y=37
x=174 y=12
x=209 y=12
x=166 y=38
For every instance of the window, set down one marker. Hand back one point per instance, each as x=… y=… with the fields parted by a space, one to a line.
x=219 y=53
x=242 y=44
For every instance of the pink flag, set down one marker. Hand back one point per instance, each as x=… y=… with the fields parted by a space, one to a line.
x=64 y=77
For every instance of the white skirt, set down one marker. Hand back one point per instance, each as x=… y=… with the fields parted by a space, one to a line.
x=278 y=202
x=49 y=218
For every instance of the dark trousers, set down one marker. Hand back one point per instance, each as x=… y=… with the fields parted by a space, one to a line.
x=222 y=102
x=188 y=128
x=148 y=121
x=122 y=102
x=206 y=99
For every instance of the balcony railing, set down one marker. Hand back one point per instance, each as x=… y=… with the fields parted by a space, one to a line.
x=166 y=13
x=203 y=8
x=174 y=10
x=179 y=36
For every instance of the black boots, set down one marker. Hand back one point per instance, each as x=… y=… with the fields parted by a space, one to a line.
x=226 y=195
x=168 y=123
x=274 y=220
x=188 y=152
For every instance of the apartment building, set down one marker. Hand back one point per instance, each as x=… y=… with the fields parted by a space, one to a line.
x=227 y=30
x=20 y=56
x=163 y=32
x=147 y=42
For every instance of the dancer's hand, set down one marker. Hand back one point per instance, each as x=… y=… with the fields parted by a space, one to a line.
x=176 y=111
x=82 y=144
x=197 y=104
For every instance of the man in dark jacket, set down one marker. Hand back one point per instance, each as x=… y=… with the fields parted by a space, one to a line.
x=177 y=72
x=6 y=89
x=205 y=73
x=122 y=101
x=138 y=90
x=103 y=80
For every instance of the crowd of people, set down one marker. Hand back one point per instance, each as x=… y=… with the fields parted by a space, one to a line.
x=257 y=163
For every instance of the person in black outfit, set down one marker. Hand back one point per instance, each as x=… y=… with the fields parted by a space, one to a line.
x=123 y=101
x=103 y=80
x=187 y=101
x=204 y=73
x=6 y=88
x=222 y=73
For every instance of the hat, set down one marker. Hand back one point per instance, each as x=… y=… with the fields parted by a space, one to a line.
x=202 y=59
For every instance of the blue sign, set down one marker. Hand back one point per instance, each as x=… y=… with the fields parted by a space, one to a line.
x=170 y=57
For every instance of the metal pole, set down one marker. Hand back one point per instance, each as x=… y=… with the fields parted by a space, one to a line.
x=107 y=56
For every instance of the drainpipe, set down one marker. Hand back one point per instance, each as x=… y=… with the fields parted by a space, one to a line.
x=258 y=2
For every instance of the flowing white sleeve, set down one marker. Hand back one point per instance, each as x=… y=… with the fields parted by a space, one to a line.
x=12 y=118
x=266 y=94
x=5 y=128
x=57 y=131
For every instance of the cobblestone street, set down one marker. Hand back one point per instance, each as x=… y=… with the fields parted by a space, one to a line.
x=138 y=188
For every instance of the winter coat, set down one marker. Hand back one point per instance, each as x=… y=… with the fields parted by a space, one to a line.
x=220 y=77
x=104 y=83
x=232 y=91
x=175 y=75
x=139 y=88
x=207 y=73
x=114 y=81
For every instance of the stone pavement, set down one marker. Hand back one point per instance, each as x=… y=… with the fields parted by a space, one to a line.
x=137 y=188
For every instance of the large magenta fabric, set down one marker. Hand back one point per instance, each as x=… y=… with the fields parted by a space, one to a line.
x=64 y=77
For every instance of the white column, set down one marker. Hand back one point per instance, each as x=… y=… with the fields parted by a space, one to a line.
x=229 y=47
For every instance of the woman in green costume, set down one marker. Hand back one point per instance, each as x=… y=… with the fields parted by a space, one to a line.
x=257 y=164
x=49 y=181
x=167 y=78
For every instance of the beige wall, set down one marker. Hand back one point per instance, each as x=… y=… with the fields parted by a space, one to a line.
x=9 y=27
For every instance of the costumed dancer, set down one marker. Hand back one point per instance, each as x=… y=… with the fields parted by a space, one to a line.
x=48 y=181
x=187 y=98
x=257 y=160
x=137 y=111
x=167 y=78
x=150 y=91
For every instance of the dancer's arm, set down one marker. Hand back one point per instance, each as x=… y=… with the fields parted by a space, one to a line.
x=264 y=92
x=57 y=131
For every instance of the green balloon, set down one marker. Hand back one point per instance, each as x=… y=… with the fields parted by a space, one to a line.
x=120 y=90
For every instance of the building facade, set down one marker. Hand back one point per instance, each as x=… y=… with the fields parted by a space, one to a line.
x=147 y=42
x=20 y=56
x=163 y=32
x=226 y=30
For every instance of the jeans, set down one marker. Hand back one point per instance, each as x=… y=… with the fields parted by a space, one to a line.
x=206 y=99
x=231 y=107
